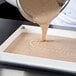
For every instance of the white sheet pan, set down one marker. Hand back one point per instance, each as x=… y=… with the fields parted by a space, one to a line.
x=37 y=61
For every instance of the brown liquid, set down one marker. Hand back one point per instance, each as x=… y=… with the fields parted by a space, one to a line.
x=42 y=12
x=59 y=48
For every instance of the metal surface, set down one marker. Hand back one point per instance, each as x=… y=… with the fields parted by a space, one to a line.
x=10 y=72
x=30 y=72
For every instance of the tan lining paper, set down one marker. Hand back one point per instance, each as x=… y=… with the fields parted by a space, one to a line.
x=59 y=48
